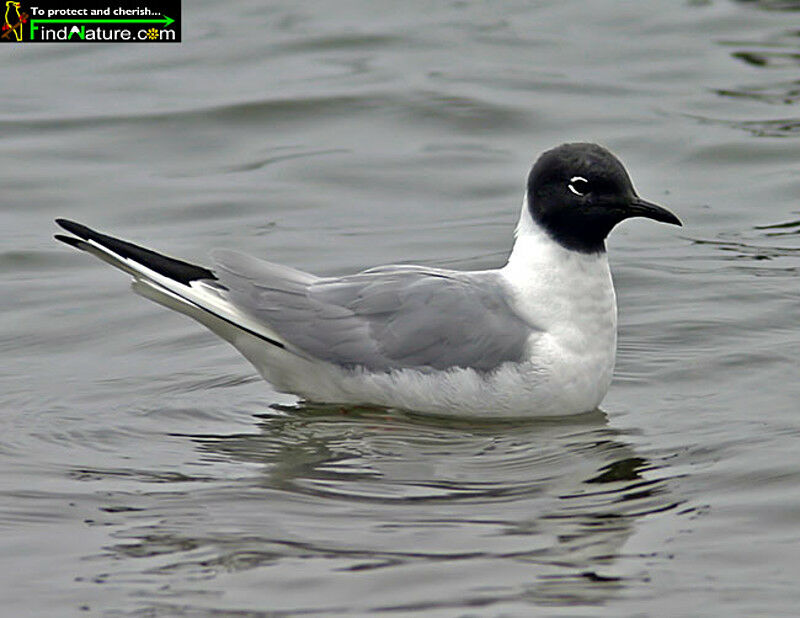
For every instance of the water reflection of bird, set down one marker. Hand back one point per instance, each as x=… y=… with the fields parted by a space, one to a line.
x=13 y=18
x=550 y=503
x=536 y=337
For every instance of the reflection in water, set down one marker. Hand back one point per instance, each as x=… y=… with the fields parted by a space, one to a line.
x=369 y=497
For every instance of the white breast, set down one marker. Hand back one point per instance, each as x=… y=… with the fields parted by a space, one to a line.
x=570 y=297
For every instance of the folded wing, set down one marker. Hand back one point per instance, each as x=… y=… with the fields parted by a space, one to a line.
x=383 y=318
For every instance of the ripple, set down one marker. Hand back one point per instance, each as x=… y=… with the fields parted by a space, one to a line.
x=784 y=92
x=146 y=476
x=185 y=383
x=779 y=127
x=742 y=250
x=787 y=228
x=775 y=49
x=788 y=127
x=773 y=5
x=467 y=114
x=40 y=262
x=253 y=164
x=232 y=114
x=768 y=58
x=344 y=42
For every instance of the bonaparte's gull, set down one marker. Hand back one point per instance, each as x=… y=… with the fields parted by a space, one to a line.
x=535 y=337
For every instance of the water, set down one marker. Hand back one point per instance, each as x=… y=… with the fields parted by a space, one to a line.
x=145 y=470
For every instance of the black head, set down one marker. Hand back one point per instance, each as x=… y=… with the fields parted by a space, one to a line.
x=579 y=192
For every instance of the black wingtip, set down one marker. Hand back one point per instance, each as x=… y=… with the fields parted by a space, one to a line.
x=81 y=231
x=70 y=240
x=180 y=271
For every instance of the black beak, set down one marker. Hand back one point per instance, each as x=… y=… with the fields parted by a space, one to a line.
x=642 y=208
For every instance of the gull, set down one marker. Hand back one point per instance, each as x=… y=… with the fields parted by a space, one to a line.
x=536 y=337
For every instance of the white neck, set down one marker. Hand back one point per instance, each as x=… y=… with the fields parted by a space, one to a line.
x=558 y=288
x=535 y=249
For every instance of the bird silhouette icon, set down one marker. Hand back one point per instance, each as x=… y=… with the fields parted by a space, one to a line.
x=12 y=14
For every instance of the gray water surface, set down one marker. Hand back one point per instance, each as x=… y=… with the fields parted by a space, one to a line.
x=145 y=470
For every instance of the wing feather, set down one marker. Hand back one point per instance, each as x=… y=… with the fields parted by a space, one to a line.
x=383 y=318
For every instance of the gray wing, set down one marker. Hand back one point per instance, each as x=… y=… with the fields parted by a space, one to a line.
x=383 y=318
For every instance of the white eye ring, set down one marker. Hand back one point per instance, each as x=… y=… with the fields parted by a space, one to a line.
x=573 y=189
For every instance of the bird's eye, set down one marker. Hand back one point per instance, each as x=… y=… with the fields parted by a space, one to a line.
x=578 y=185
